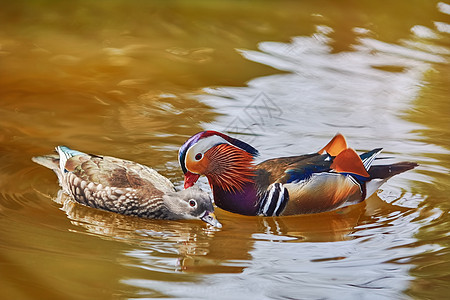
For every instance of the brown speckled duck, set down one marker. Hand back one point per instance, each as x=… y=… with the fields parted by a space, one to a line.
x=125 y=187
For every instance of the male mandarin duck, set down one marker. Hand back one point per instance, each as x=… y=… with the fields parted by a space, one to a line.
x=334 y=177
x=125 y=187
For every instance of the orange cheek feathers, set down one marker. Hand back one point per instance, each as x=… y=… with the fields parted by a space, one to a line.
x=197 y=167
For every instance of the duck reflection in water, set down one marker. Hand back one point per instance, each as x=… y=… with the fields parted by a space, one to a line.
x=194 y=249
x=152 y=239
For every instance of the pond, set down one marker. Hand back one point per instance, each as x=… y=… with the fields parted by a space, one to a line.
x=135 y=79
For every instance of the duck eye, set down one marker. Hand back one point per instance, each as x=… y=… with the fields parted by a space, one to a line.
x=192 y=203
x=198 y=156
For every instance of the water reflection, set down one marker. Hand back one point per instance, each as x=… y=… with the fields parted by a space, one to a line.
x=154 y=239
x=354 y=92
x=122 y=78
x=279 y=265
x=168 y=246
x=363 y=92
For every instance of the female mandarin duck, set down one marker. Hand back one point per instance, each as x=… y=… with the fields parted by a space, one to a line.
x=334 y=177
x=125 y=187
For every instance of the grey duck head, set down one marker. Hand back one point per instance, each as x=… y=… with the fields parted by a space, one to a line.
x=191 y=203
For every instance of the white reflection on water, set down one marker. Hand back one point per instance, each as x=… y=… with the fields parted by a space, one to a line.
x=281 y=268
x=363 y=94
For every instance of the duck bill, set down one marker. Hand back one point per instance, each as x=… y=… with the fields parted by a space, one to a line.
x=210 y=218
x=190 y=179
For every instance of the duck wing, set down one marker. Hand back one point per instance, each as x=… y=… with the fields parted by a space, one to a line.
x=315 y=182
x=117 y=173
x=110 y=183
x=287 y=169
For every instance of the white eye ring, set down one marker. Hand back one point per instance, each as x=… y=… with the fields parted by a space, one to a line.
x=192 y=203
x=198 y=156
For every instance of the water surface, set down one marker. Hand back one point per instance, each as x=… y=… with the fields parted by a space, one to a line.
x=135 y=79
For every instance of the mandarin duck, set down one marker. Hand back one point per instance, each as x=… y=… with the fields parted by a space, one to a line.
x=334 y=177
x=125 y=187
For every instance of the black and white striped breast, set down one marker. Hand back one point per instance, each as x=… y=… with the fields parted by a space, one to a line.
x=274 y=200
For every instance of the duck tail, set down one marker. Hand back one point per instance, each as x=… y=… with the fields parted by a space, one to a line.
x=387 y=171
x=380 y=174
x=57 y=162
x=50 y=161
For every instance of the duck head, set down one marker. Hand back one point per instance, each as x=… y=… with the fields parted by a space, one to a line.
x=191 y=203
x=226 y=162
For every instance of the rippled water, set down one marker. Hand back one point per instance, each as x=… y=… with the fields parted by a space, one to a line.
x=135 y=79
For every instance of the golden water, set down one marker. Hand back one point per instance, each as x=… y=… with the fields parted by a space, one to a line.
x=135 y=79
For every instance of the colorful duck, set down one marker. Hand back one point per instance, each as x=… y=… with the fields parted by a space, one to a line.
x=125 y=187
x=334 y=177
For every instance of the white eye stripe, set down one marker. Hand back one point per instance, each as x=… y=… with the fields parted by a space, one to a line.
x=204 y=145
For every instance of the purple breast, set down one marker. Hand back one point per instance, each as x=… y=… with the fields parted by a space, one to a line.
x=244 y=202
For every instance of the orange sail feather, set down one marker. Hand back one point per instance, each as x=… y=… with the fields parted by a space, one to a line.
x=335 y=146
x=348 y=161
